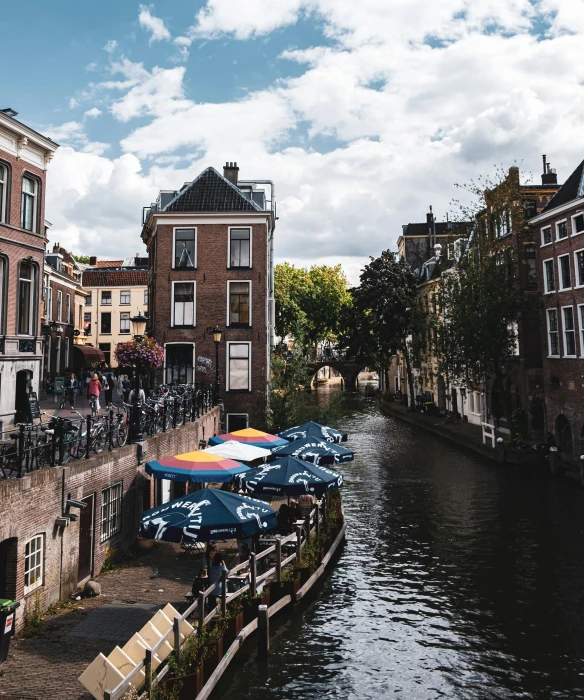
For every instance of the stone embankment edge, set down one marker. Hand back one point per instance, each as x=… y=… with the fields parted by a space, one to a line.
x=456 y=438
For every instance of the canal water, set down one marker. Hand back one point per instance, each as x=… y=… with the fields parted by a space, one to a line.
x=459 y=579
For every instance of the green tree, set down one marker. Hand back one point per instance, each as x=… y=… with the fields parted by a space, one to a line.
x=81 y=258
x=309 y=303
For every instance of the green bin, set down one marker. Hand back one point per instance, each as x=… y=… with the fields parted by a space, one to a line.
x=7 y=625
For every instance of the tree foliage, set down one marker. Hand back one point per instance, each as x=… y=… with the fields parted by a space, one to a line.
x=81 y=258
x=309 y=303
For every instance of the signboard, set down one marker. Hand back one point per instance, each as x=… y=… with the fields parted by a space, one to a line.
x=33 y=406
x=9 y=623
x=59 y=385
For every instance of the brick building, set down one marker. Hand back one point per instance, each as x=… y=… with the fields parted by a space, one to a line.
x=210 y=246
x=24 y=157
x=416 y=244
x=559 y=235
x=116 y=290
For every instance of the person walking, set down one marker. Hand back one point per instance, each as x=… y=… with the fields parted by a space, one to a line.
x=108 y=387
x=94 y=390
x=127 y=386
x=71 y=387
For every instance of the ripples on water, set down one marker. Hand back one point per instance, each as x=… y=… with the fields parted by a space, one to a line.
x=459 y=580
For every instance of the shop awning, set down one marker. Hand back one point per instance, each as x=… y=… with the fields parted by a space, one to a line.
x=88 y=354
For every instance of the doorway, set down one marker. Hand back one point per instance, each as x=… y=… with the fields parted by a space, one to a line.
x=8 y=553
x=21 y=399
x=86 y=532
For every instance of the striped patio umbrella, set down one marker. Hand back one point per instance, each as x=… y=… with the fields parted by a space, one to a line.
x=315 y=451
x=314 y=430
x=250 y=436
x=199 y=467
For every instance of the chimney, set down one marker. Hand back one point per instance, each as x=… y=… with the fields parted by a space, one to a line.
x=549 y=175
x=230 y=172
x=93 y=261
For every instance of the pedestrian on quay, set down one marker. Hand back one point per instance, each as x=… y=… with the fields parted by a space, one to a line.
x=94 y=390
x=127 y=386
x=108 y=387
x=71 y=387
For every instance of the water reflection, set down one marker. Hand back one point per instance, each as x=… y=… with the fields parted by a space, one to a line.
x=459 y=580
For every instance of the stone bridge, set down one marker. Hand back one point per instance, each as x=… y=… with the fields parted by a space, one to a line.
x=348 y=368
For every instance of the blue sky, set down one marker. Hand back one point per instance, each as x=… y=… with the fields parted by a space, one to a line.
x=362 y=113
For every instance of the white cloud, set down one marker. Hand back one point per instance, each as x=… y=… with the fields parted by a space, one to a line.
x=152 y=24
x=92 y=113
x=73 y=102
x=111 y=46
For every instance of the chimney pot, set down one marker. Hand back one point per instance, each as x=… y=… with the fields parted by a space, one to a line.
x=230 y=172
x=93 y=260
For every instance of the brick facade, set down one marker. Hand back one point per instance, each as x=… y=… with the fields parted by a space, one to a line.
x=39 y=498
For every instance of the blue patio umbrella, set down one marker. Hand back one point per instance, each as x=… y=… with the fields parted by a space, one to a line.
x=315 y=451
x=314 y=430
x=290 y=477
x=208 y=514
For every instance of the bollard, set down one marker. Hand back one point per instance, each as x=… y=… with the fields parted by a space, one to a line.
x=263 y=632
x=582 y=471
x=163 y=411
x=111 y=430
x=88 y=436
x=554 y=460
x=500 y=450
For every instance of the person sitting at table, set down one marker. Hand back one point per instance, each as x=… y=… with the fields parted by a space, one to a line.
x=284 y=519
x=215 y=572
x=295 y=511
x=210 y=553
x=306 y=503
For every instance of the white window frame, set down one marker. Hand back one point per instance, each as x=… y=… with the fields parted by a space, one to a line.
x=544 y=228
x=3 y=190
x=183 y=228
x=227 y=358
x=32 y=308
x=561 y=276
x=105 y=291
x=67 y=308
x=180 y=342
x=50 y=303
x=562 y=221
x=573 y=227
x=194 y=283
x=545 y=280
x=129 y=319
x=547 y=317
x=108 y=514
x=58 y=355
x=229 y=229
x=236 y=414
x=580 y=315
x=90 y=298
x=129 y=293
x=38 y=565
x=99 y=330
x=34 y=196
x=229 y=283
x=577 y=284
x=145 y=297
x=59 y=305
x=569 y=306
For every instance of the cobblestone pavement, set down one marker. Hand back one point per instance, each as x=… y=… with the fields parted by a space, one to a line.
x=46 y=666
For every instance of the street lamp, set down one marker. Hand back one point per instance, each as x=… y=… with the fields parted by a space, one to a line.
x=138 y=328
x=217 y=333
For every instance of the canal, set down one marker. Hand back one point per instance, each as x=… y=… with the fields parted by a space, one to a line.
x=459 y=579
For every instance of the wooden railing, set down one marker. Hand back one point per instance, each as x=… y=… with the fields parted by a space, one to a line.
x=304 y=531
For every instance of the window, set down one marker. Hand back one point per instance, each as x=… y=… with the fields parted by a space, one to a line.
x=184 y=247
x=111 y=511
x=68 y=309
x=28 y=204
x=546 y=235
x=124 y=298
x=503 y=224
x=183 y=303
x=178 y=363
x=579 y=267
x=145 y=297
x=569 y=331
x=124 y=322
x=3 y=191
x=553 y=341
x=50 y=304
x=25 y=299
x=581 y=324
x=561 y=230
x=106 y=323
x=87 y=323
x=237 y=421
x=239 y=311
x=238 y=366
x=239 y=247
x=66 y=353
x=58 y=355
x=88 y=301
x=549 y=278
x=33 y=563
x=578 y=224
x=106 y=298
x=106 y=349
x=529 y=251
x=59 y=305
x=564 y=271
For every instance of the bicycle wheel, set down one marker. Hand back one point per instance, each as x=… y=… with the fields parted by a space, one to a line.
x=42 y=452
x=120 y=434
x=99 y=440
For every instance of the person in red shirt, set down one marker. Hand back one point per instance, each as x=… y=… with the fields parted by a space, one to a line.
x=95 y=390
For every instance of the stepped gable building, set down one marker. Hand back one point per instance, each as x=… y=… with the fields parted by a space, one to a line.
x=24 y=157
x=116 y=290
x=210 y=246
x=558 y=232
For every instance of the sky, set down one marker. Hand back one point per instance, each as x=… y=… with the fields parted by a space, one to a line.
x=363 y=113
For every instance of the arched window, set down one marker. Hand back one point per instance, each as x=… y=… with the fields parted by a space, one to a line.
x=26 y=306
x=29 y=204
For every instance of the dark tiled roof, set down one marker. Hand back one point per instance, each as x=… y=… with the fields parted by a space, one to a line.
x=443 y=228
x=115 y=278
x=573 y=188
x=211 y=192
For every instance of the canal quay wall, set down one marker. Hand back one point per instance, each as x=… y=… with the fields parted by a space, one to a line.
x=70 y=555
